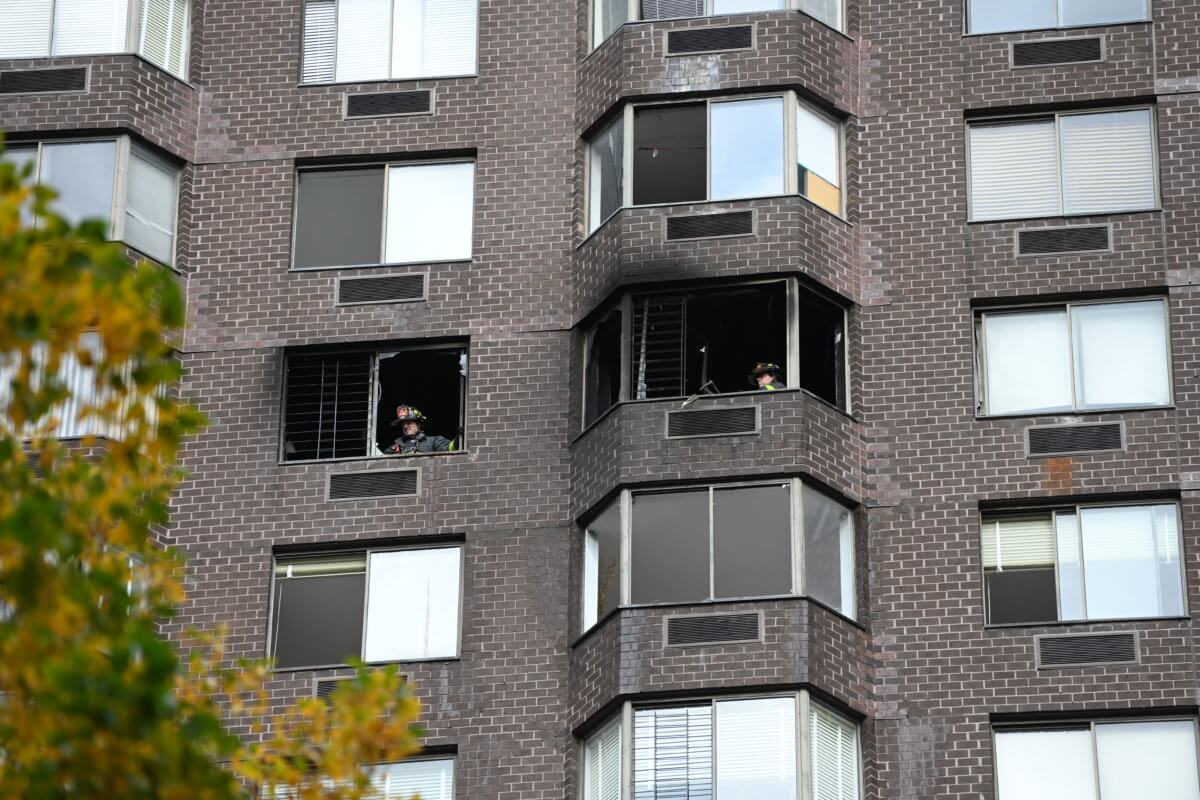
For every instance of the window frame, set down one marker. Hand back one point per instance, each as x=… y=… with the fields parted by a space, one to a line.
x=463 y=345
x=386 y=166
x=984 y=517
x=633 y=15
x=366 y=551
x=1056 y=116
x=792 y=103
x=981 y=363
x=624 y=502
x=966 y=17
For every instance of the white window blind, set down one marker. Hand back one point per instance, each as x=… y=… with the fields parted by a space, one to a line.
x=429 y=212
x=363 y=39
x=1108 y=162
x=320 y=40
x=433 y=38
x=1121 y=354
x=1140 y=760
x=432 y=779
x=744 y=6
x=1028 y=359
x=669 y=9
x=672 y=753
x=602 y=763
x=1130 y=562
x=1020 y=542
x=25 y=28
x=412 y=604
x=834 y=748
x=1102 y=12
x=150 y=205
x=1046 y=765
x=756 y=749
x=164 y=33
x=1014 y=170
x=89 y=26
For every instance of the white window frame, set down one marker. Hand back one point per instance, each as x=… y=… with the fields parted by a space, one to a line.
x=366 y=553
x=634 y=7
x=795 y=488
x=981 y=387
x=1058 y=26
x=804 y=702
x=985 y=519
x=1056 y=116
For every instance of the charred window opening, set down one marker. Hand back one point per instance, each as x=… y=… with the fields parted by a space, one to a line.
x=670 y=154
x=823 y=349
x=603 y=379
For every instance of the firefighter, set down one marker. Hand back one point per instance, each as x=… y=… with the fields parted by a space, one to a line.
x=767 y=376
x=412 y=439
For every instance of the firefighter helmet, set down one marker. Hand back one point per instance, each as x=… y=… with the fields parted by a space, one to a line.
x=764 y=368
x=407 y=413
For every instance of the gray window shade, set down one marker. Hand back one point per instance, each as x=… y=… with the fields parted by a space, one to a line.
x=752 y=549
x=26 y=29
x=828 y=551
x=1014 y=170
x=672 y=753
x=670 y=551
x=339 y=217
x=834 y=749
x=602 y=763
x=82 y=173
x=433 y=37
x=89 y=26
x=1121 y=354
x=320 y=40
x=164 y=33
x=318 y=614
x=1108 y=162
x=606 y=170
x=150 y=205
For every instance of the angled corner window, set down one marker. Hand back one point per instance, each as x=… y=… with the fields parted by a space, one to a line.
x=989 y=16
x=139 y=210
x=1074 y=357
x=705 y=543
x=384 y=214
x=1068 y=164
x=377 y=605
x=375 y=40
x=343 y=403
x=609 y=15
x=719 y=149
x=42 y=28
x=1082 y=563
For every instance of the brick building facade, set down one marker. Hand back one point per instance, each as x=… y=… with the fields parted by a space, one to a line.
x=912 y=442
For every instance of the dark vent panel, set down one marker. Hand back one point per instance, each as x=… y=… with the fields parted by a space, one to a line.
x=1048 y=241
x=323 y=688
x=1062 y=439
x=1069 y=651
x=712 y=629
x=712 y=422
x=707 y=40
x=43 y=80
x=372 y=484
x=384 y=104
x=391 y=289
x=1057 y=51
x=703 y=226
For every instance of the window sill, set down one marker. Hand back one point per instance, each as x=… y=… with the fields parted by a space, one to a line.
x=1065 y=217
x=1016 y=626
x=1091 y=412
x=136 y=55
x=376 y=459
x=384 y=265
x=369 y=665
x=376 y=81
x=969 y=35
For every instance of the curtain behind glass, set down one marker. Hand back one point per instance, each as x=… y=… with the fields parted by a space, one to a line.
x=1128 y=571
x=756 y=749
x=429 y=212
x=1028 y=362
x=1108 y=162
x=1045 y=765
x=82 y=173
x=1014 y=170
x=1142 y=760
x=1121 y=354
x=412 y=604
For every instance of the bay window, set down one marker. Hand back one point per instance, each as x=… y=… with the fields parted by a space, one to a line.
x=989 y=16
x=719 y=542
x=609 y=15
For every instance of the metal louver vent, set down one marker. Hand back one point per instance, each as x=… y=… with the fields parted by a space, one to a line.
x=323 y=688
x=389 y=483
x=1064 y=439
x=389 y=104
x=1049 y=241
x=705 y=226
x=43 y=80
x=712 y=629
x=1087 y=649
x=708 y=40
x=1057 y=51
x=388 y=289
x=712 y=422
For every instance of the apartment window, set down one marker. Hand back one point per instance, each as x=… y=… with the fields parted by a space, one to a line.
x=377 y=605
x=609 y=15
x=384 y=214
x=1082 y=563
x=1100 y=760
x=989 y=16
x=726 y=749
x=1074 y=357
x=1094 y=162
x=429 y=778
x=343 y=403
x=132 y=189
x=155 y=29
x=705 y=543
x=376 y=40
x=721 y=149
x=708 y=340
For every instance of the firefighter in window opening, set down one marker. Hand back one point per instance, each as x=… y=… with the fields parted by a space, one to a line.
x=412 y=439
x=766 y=376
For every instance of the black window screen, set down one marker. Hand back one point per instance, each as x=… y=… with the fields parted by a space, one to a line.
x=339 y=217
x=1017 y=596
x=670 y=158
x=327 y=406
x=822 y=349
x=604 y=367
x=318 y=612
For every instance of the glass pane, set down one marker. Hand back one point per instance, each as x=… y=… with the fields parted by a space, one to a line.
x=608 y=16
x=26 y=29
x=1014 y=170
x=1028 y=362
x=672 y=753
x=89 y=26
x=603 y=376
x=82 y=173
x=21 y=157
x=670 y=159
x=432 y=779
x=744 y=6
x=602 y=568
x=1107 y=162
x=1045 y=765
x=318 y=619
x=1122 y=574
x=990 y=16
x=602 y=763
x=412 y=604
x=669 y=559
x=363 y=39
x=1121 y=354
x=1103 y=12
x=606 y=165
x=756 y=749
x=1070 y=570
x=1140 y=760
x=752 y=548
x=433 y=38
x=822 y=349
x=339 y=217
x=150 y=206
x=833 y=749
x=746 y=156
x=828 y=551
x=429 y=212
x=818 y=139
x=828 y=11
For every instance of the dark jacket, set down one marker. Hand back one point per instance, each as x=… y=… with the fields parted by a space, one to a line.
x=420 y=443
x=772 y=386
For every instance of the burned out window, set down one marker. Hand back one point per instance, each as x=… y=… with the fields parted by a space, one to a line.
x=603 y=378
x=349 y=404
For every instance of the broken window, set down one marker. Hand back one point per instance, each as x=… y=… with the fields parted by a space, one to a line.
x=603 y=379
x=342 y=404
